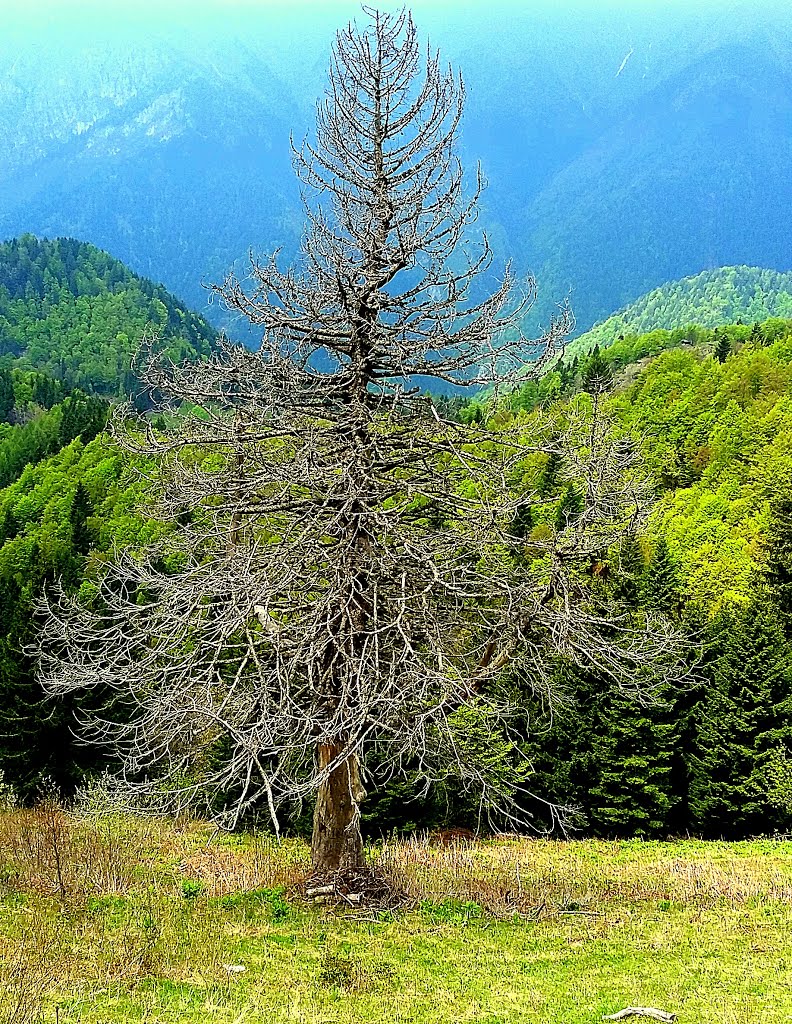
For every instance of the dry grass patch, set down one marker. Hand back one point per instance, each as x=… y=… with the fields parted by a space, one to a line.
x=259 y=863
x=509 y=875
x=50 y=851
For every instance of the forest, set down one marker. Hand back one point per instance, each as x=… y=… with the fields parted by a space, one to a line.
x=711 y=409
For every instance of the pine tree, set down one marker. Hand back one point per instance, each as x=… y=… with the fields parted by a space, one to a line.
x=631 y=571
x=660 y=586
x=756 y=337
x=778 y=546
x=609 y=758
x=569 y=507
x=597 y=375
x=81 y=510
x=523 y=522
x=632 y=763
x=744 y=714
x=313 y=620
x=547 y=484
x=7 y=398
x=722 y=346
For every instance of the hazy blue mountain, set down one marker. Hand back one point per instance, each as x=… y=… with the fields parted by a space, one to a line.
x=178 y=165
x=623 y=147
x=695 y=177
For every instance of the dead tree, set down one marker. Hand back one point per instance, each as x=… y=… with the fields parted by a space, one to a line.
x=340 y=574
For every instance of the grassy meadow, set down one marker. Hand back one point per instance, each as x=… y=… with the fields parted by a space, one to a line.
x=131 y=919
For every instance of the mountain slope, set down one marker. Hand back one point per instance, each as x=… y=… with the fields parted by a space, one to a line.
x=176 y=159
x=717 y=439
x=709 y=299
x=711 y=410
x=73 y=311
x=696 y=176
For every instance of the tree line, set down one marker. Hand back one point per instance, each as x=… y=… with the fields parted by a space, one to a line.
x=699 y=757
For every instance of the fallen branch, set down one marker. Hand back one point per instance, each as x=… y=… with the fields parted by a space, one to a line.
x=319 y=890
x=641 y=1011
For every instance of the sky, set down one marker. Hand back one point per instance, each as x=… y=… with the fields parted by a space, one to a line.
x=33 y=12
x=309 y=25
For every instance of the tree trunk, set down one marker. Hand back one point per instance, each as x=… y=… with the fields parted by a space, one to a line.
x=337 y=844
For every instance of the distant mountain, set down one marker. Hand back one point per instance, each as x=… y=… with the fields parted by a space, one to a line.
x=621 y=151
x=176 y=161
x=694 y=177
x=76 y=313
x=710 y=299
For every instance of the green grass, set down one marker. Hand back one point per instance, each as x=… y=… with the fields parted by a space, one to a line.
x=502 y=932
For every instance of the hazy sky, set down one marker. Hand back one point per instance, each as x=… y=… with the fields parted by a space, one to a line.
x=296 y=34
x=31 y=12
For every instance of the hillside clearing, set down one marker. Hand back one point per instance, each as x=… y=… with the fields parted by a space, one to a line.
x=120 y=919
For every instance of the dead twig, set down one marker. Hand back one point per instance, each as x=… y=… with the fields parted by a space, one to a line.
x=641 y=1011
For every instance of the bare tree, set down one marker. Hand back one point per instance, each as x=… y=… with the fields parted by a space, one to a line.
x=344 y=575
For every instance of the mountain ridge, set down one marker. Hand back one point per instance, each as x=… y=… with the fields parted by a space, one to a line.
x=711 y=298
x=72 y=310
x=606 y=177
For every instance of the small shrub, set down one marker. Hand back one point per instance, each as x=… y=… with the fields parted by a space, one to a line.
x=451 y=911
x=343 y=970
x=338 y=970
x=257 y=899
x=111 y=905
x=191 y=888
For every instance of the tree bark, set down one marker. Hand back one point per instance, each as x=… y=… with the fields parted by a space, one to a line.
x=337 y=844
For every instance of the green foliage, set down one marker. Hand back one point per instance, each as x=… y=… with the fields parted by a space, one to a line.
x=660 y=584
x=76 y=313
x=58 y=520
x=631 y=791
x=7 y=397
x=569 y=507
x=717 y=440
x=597 y=375
x=712 y=298
x=191 y=888
x=629 y=584
x=523 y=522
x=778 y=554
x=722 y=346
x=745 y=712
x=776 y=780
x=609 y=756
x=547 y=484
